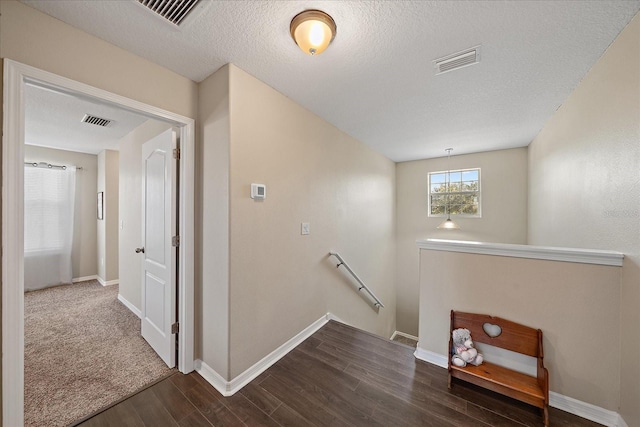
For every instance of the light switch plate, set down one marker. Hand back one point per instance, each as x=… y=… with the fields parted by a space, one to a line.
x=305 y=228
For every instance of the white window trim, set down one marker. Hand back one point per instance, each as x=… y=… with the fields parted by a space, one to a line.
x=479 y=192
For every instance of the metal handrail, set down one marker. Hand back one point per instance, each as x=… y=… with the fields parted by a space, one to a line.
x=378 y=303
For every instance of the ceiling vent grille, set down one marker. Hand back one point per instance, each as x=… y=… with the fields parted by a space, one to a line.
x=174 y=11
x=457 y=60
x=98 y=121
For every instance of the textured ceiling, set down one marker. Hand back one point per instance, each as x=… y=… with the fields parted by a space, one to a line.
x=376 y=81
x=53 y=120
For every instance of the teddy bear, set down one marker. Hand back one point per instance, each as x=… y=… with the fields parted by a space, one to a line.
x=463 y=351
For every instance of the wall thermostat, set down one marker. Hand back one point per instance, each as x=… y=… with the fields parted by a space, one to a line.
x=258 y=191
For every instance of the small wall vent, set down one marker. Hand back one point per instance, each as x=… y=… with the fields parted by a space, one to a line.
x=457 y=60
x=174 y=11
x=98 y=121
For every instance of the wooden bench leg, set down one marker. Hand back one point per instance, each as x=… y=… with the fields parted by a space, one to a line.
x=545 y=415
x=449 y=382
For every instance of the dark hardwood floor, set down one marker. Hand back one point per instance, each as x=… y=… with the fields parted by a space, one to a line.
x=339 y=376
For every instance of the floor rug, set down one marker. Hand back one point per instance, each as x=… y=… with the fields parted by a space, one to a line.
x=83 y=351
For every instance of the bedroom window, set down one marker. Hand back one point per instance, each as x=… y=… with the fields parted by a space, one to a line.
x=459 y=193
x=49 y=196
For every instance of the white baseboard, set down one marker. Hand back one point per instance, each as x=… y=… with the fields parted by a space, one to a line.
x=84 y=279
x=402 y=334
x=228 y=388
x=212 y=377
x=107 y=283
x=130 y=306
x=585 y=410
x=431 y=357
x=621 y=421
x=556 y=400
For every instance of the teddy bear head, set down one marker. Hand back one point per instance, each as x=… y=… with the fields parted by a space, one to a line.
x=461 y=336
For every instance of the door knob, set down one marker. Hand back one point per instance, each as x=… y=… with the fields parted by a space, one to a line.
x=138 y=250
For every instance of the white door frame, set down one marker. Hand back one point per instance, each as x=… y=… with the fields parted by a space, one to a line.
x=15 y=76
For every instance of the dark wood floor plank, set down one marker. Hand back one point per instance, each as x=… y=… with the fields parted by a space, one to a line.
x=150 y=410
x=377 y=345
x=248 y=412
x=299 y=402
x=264 y=400
x=123 y=414
x=185 y=382
x=410 y=391
x=512 y=409
x=312 y=342
x=333 y=397
x=338 y=376
x=210 y=404
x=353 y=336
x=173 y=400
x=490 y=417
x=401 y=359
x=434 y=409
x=396 y=411
x=195 y=419
x=328 y=378
x=378 y=364
x=320 y=371
x=287 y=417
x=327 y=358
x=260 y=378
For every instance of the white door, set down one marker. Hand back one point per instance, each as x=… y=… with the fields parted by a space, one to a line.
x=158 y=228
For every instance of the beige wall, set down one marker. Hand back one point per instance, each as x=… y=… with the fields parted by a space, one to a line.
x=108 y=226
x=254 y=263
x=1 y=183
x=576 y=306
x=84 y=258
x=101 y=225
x=281 y=281
x=504 y=215
x=130 y=208
x=584 y=186
x=111 y=214
x=33 y=38
x=212 y=219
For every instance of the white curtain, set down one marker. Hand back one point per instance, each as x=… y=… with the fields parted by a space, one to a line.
x=49 y=200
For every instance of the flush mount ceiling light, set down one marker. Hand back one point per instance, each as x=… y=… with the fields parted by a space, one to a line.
x=313 y=31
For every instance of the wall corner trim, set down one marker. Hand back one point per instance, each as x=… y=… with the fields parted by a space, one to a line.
x=107 y=282
x=130 y=306
x=584 y=256
x=621 y=422
x=212 y=377
x=431 y=357
x=229 y=388
x=556 y=400
x=402 y=334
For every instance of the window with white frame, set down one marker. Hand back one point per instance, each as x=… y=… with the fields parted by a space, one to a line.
x=455 y=192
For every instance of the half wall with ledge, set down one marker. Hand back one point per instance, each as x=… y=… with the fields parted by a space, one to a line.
x=573 y=295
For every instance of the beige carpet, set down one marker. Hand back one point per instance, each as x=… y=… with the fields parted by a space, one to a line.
x=83 y=351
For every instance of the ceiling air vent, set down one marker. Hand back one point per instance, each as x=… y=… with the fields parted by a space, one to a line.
x=98 y=121
x=457 y=60
x=174 y=11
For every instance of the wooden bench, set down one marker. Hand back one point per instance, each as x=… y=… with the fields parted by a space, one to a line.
x=514 y=337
